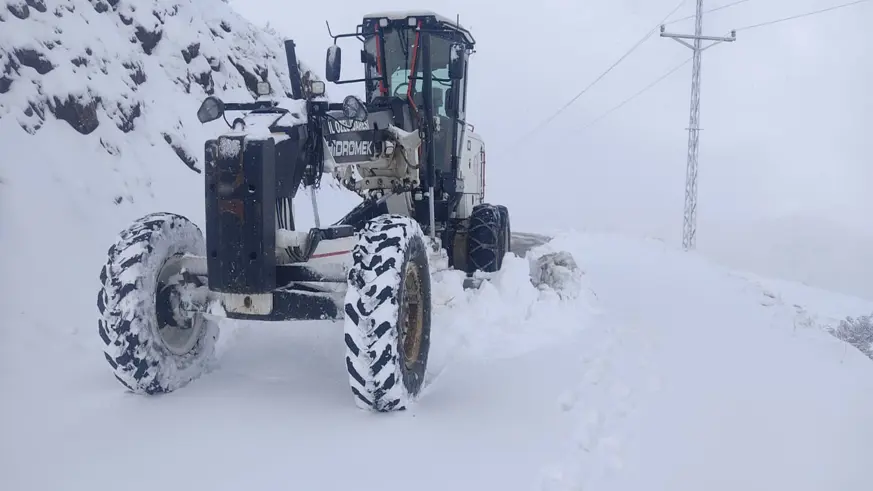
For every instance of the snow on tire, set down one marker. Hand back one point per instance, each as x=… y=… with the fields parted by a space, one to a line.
x=388 y=314
x=153 y=341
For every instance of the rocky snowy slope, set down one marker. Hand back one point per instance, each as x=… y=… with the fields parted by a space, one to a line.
x=98 y=125
x=125 y=70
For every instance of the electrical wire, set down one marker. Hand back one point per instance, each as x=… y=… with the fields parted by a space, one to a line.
x=716 y=9
x=641 y=92
x=676 y=68
x=592 y=84
x=856 y=2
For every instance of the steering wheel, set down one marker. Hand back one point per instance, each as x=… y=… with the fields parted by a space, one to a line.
x=398 y=88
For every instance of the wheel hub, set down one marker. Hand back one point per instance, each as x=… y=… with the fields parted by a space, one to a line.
x=180 y=298
x=413 y=316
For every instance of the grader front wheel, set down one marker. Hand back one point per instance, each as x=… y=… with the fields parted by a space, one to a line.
x=388 y=314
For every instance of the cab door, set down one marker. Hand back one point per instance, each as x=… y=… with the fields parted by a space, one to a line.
x=456 y=102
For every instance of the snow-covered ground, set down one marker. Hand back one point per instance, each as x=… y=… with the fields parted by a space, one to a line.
x=665 y=372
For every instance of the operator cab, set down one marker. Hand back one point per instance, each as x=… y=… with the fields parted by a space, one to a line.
x=415 y=64
x=393 y=56
x=395 y=66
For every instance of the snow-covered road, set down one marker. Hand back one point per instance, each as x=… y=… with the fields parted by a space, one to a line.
x=705 y=383
x=666 y=373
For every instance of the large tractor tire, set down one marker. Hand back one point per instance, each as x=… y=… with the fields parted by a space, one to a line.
x=155 y=338
x=487 y=238
x=388 y=314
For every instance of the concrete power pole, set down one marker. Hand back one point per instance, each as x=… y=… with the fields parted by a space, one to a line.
x=689 y=225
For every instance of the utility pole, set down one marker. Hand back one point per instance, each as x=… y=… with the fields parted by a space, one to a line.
x=689 y=225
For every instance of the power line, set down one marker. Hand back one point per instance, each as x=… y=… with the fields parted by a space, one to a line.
x=856 y=2
x=651 y=32
x=689 y=232
x=716 y=9
x=689 y=226
x=641 y=92
x=677 y=67
x=592 y=84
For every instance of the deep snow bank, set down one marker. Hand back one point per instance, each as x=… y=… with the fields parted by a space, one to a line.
x=696 y=377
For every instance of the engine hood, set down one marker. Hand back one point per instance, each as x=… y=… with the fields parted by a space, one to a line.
x=257 y=124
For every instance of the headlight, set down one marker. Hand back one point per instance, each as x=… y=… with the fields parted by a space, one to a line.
x=264 y=88
x=317 y=88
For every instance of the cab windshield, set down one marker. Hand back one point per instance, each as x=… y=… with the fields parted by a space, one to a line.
x=402 y=48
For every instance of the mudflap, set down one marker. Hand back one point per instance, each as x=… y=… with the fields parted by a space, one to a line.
x=436 y=254
x=439 y=261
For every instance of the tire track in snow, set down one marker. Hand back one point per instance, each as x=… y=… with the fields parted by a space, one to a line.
x=602 y=402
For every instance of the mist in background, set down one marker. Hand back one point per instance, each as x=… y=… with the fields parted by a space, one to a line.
x=786 y=151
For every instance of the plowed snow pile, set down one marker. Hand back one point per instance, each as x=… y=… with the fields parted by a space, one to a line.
x=653 y=370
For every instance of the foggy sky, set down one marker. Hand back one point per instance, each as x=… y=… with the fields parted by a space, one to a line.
x=786 y=110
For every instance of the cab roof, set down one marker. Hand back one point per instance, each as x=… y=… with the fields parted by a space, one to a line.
x=400 y=15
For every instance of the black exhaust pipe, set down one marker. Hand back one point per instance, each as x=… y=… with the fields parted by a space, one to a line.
x=293 y=70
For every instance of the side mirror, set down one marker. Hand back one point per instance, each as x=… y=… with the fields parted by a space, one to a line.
x=333 y=63
x=211 y=109
x=456 y=62
x=354 y=109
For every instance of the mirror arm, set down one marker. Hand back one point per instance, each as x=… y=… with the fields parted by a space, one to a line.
x=350 y=35
x=350 y=81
